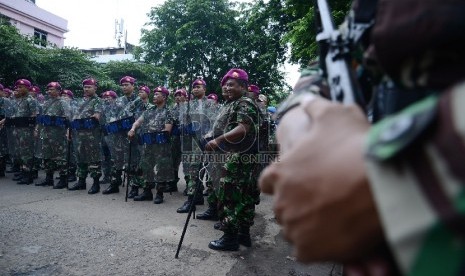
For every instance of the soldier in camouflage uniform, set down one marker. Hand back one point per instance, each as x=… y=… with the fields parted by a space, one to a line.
x=87 y=134
x=200 y=114
x=136 y=108
x=52 y=130
x=68 y=96
x=117 y=140
x=156 y=162
x=23 y=123
x=177 y=110
x=214 y=168
x=236 y=191
x=6 y=110
x=398 y=184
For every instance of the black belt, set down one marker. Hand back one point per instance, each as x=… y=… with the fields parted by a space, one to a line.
x=21 y=121
x=85 y=123
x=154 y=138
x=47 y=120
x=118 y=126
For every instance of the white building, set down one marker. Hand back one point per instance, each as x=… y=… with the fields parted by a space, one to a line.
x=35 y=22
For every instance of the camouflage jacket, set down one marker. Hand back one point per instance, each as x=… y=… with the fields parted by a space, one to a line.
x=155 y=119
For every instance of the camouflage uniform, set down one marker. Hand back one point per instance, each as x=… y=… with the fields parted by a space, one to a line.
x=25 y=107
x=156 y=163
x=176 y=138
x=6 y=110
x=88 y=141
x=53 y=138
x=236 y=193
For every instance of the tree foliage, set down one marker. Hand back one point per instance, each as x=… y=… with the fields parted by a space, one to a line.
x=208 y=37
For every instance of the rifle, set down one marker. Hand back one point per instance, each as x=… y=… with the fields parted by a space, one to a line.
x=128 y=171
x=335 y=58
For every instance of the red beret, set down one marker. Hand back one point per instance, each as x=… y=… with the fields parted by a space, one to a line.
x=24 y=82
x=129 y=79
x=110 y=93
x=212 y=96
x=180 y=91
x=199 y=82
x=90 y=81
x=161 y=89
x=253 y=88
x=35 y=89
x=146 y=89
x=7 y=91
x=235 y=73
x=68 y=92
x=54 y=84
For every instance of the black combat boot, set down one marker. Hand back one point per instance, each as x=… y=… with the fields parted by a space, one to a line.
x=95 y=186
x=210 y=214
x=186 y=179
x=27 y=178
x=2 y=166
x=145 y=196
x=133 y=192
x=158 y=197
x=35 y=174
x=62 y=183
x=228 y=242
x=80 y=185
x=48 y=180
x=198 y=198
x=218 y=226
x=18 y=176
x=171 y=187
x=15 y=168
x=244 y=236
x=106 y=179
x=72 y=175
x=114 y=184
x=186 y=205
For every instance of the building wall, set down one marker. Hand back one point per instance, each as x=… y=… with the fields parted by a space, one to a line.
x=27 y=17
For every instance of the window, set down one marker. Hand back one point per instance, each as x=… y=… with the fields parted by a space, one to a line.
x=40 y=38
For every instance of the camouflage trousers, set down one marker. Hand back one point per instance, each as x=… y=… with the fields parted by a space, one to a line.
x=195 y=168
x=51 y=165
x=94 y=170
x=176 y=152
x=214 y=169
x=236 y=202
x=156 y=165
x=25 y=146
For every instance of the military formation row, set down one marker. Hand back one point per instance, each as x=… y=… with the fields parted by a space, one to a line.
x=145 y=142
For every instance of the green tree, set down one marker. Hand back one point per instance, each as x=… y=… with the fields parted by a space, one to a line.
x=208 y=37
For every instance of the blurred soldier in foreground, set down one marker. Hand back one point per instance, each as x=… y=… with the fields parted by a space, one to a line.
x=396 y=185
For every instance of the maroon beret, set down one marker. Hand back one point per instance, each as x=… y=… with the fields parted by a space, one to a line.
x=67 y=92
x=35 y=89
x=109 y=93
x=161 y=89
x=24 y=82
x=180 y=91
x=7 y=91
x=89 y=81
x=253 y=88
x=129 y=79
x=212 y=96
x=54 y=84
x=145 y=88
x=199 y=82
x=235 y=73
x=1 y=87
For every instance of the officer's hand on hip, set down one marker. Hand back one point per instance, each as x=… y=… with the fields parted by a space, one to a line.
x=322 y=196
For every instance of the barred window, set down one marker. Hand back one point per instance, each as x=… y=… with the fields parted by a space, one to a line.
x=40 y=37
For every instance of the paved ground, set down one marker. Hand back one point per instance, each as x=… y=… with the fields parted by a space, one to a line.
x=59 y=232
